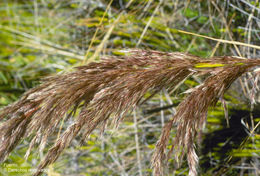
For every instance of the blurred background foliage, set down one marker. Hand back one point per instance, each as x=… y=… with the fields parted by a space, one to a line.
x=39 y=38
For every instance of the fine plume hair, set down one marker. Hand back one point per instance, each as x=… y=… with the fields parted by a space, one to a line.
x=110 y=89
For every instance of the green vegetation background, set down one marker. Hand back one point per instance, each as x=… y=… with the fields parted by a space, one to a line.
x=39 y=38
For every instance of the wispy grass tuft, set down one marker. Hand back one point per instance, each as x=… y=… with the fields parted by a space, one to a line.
x=112 y=88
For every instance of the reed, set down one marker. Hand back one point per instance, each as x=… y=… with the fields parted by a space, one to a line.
x=112 y=88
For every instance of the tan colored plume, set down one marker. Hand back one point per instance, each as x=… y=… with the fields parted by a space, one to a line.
x=111 y=88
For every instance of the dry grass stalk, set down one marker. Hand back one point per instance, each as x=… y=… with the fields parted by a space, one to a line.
x=110 y=89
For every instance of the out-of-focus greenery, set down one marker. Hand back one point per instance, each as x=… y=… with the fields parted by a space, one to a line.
x=42 y=37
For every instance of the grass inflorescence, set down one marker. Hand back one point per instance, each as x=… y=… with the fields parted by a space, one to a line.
x=112 y=88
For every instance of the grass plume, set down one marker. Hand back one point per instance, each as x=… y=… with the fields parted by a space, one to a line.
x=110 y=89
